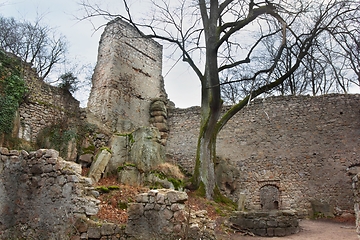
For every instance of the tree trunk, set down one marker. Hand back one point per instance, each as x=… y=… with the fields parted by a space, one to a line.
x=204 y=174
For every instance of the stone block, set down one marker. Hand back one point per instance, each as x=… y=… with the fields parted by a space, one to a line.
x=81 y=225
x=284 y=223
x=130 y=176
x=108 y=229
x=142 y=198
x=180 y=216
x=279 y=232
x=94 y=232
x=270 y=232
x=135 y=210
x=149 y=206
x=86 y=158
x=272 y=223
x=51 y=153
x=260 y=232
x=14 y=153
x=167 y=214
x=160 y=198
x=177 y=206
x=158 y=113
x=291 y=230
x=4 y=151
x=98 y=166
x=177 y=197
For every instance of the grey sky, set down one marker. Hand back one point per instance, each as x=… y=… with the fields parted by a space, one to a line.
x=181 y=83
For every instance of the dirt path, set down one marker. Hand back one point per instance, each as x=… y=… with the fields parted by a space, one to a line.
x=310 y=230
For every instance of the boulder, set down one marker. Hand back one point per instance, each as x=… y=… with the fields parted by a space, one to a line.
x=98 y=166
x=119 y=146
x=146 y=151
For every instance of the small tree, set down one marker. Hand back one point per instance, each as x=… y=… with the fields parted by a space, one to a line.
x=68 y=82
x=229 y=36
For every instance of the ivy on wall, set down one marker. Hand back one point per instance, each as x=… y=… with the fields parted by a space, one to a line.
x=12 y=91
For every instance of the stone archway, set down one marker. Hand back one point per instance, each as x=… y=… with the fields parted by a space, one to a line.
x=269 y=197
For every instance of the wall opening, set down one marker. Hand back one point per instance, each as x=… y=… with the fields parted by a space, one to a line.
x=269 y=197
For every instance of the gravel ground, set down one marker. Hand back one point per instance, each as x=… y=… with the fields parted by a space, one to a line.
x=310 y=230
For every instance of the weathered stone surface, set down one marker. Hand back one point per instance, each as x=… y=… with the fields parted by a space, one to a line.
x=155 y=215
x=321 y=209
x=98 y=166
x=4 y=151
x=126 y=77
x=146 y=152
x=41 y=199
x=120 y=147
x=94 y=232
x=152 y=179
x=86 y=158
x=356 y=191
x=71 y=167
x=46 y=105
x=298 y=144
x=267 y=223
x=177 y=197
x=130 y=176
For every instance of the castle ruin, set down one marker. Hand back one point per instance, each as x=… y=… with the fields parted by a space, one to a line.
x=277 y=153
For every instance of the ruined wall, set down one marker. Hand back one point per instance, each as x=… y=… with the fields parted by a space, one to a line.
x=41 y=195
x=126 y=78
x=44 y=105
x=301 y=145
x=356 y=189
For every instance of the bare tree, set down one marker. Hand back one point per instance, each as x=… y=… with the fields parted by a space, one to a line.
x=228 y=37
x=33 y=43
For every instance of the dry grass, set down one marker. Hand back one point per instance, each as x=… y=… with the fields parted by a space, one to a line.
x=171 y=170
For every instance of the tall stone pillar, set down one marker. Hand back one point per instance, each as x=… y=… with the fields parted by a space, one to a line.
x=127 y=76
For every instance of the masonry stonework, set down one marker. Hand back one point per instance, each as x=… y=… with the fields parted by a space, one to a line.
x=41 y=195
x=301 y=145
x=126 y=79
x=44 y=105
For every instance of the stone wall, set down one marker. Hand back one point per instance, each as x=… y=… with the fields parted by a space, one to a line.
x=44 y=105
x=161 y=214
x=127 y=77
x=41 y=195
x=267 y=223
x=300 y=145
x=356 y=189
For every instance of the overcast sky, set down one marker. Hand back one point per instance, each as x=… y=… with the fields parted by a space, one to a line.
x=181 y=84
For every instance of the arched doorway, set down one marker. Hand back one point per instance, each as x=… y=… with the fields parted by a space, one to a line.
x=269 y=197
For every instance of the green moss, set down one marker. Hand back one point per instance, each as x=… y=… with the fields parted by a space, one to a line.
x=106 y=149
x=131 y=139
x=158 y=174
x=90 y=149
x=122 y=205
x=129 y=136
x=156 y=185
x=178 y=184
x=113 y=187
x=120 y=168
x=58 y=137
x=201 y=190
x=12 y=91
x=219 y=198
x=103 y=189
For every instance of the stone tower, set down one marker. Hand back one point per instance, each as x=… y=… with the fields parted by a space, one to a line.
x=126 y=79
